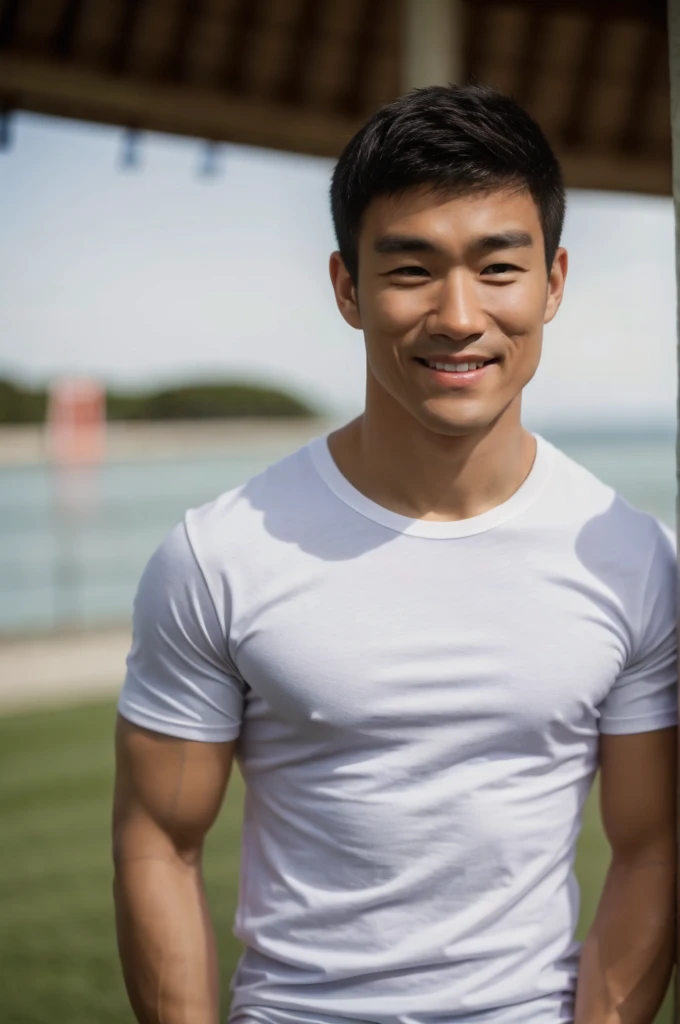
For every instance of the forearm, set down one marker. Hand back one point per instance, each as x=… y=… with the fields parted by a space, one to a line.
x=627 y=958
x=166 y=941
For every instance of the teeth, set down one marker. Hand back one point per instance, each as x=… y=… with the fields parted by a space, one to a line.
x=455 y=367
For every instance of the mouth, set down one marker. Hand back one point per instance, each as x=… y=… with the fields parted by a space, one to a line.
x=458 y=369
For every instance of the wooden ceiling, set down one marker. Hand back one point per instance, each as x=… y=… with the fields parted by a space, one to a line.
x=303 y=75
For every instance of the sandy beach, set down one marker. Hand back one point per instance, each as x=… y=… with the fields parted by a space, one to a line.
x=50 y=670
x=27 y=445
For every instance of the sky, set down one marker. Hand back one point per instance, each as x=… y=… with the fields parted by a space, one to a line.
x=161 y=273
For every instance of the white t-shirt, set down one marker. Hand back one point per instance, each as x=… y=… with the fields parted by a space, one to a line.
x=417 y=706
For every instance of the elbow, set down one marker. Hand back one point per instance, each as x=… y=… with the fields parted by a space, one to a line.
x=659 y=853
x=134 y=841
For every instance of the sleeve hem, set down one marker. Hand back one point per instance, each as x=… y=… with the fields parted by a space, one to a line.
x=628 y=726
x=177 y=729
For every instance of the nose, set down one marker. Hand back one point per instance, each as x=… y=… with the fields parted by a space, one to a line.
x=457 y=313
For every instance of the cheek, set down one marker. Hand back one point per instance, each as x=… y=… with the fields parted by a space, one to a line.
x=394 y=311
x=518 y=310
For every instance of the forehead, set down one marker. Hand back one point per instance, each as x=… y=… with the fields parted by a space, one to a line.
x=447 y=220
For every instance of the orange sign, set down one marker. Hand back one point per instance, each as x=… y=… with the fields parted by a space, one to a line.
x=76 y=422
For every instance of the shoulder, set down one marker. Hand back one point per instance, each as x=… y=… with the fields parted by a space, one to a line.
x=626 y=552
x=220 y=528
x=225 y=523
x=602 y=518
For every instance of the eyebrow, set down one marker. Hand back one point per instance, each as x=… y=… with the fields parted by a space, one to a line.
x=502 y=240
x=388 y=245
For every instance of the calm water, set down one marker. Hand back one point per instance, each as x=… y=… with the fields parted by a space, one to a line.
x=61 y=569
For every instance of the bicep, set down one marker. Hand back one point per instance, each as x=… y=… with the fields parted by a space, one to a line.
x=638 y=790
x=168 y=791
x=180 y=678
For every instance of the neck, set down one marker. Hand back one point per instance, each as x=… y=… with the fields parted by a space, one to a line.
x=402 y=465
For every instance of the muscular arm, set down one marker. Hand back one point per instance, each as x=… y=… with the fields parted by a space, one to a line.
x=628 y=955
x=167 y=795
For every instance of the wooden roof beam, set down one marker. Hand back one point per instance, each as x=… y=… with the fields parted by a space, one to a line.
x=291 y=86
x=122 y=45
x=68 y=90
x=246 y=21
x=8 y=22
x=652 y=53
x=530 y=66
x=642 y=10
x=187 y=20
x=584 y=78
x=617 y=174
x=351 y=99
x=476 y=30
x=65 y=35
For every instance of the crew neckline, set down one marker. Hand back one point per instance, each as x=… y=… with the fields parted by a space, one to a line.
x=522 y=499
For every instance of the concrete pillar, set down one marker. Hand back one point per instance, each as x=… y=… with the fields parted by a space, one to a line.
x=432 y=47
x=674 y=47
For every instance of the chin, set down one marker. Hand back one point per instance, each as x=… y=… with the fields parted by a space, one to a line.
x=456 y=423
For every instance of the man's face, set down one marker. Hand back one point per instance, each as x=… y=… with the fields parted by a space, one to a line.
x=449 y=281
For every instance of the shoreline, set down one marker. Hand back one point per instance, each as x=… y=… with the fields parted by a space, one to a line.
x=138 y=441
x=50 y=671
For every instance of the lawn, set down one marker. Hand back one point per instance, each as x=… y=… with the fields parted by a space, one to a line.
x=58 y=957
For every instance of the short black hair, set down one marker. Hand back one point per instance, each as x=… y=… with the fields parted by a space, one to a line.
x=456 y=138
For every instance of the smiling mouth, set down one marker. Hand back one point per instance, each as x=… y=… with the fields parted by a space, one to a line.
x=444 y=367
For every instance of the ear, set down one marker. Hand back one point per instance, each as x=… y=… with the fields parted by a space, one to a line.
x=345 y=291
x=556 y=280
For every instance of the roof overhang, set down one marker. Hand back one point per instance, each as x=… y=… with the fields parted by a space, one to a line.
x=303 y=75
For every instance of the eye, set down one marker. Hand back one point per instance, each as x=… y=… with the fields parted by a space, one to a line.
x=410 y=271
x=500 y=268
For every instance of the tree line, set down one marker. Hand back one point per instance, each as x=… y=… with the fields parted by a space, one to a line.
x=19 y=404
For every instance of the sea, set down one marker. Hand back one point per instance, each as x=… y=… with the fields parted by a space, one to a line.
x=72 y=549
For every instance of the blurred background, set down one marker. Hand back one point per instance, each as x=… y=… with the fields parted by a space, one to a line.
x=167 y=329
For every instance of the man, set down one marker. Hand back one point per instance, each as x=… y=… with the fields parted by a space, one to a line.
x=420 y=637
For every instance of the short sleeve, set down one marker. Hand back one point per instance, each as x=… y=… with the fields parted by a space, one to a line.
x=179 y=678
x=645 y=696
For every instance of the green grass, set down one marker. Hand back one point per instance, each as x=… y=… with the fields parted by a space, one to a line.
x=58 y=959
